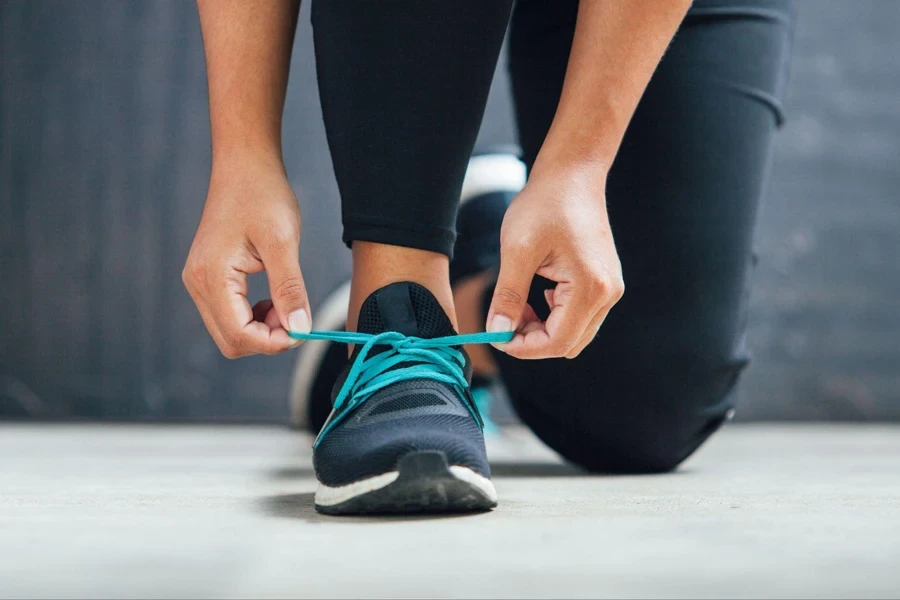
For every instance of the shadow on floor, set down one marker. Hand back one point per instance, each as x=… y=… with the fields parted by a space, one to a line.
x=300 y=506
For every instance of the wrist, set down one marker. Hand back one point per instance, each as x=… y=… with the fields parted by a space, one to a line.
x=584 y=160
x=229 y=160
x=581 y=139
x=584 y=170
x=572 y=181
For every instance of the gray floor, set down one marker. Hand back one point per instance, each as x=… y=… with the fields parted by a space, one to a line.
x=177 y=511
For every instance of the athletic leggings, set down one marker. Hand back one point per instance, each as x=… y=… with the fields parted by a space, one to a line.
x=403 y=86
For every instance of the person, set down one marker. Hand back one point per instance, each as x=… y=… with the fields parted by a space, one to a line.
x=625 y=127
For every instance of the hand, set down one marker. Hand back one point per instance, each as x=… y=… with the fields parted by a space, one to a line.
x=251 y=223
x=557 y=228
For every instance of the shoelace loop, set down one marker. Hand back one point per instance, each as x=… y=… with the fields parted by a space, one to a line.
x=436 y=359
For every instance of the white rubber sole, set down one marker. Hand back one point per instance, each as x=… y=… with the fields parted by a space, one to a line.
x=484 y=485
x=330 y=496
x=422 y=483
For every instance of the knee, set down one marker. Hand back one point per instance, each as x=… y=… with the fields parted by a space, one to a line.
x=640 y=446
x=651 y=427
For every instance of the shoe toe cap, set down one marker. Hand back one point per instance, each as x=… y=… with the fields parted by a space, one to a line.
x=345 y=455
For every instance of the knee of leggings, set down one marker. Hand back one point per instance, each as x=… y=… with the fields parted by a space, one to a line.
x=642 y=433
x=656 y=448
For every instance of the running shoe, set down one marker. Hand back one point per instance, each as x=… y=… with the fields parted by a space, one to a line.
x=404 y=435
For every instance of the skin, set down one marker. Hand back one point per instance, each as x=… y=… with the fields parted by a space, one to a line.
x=557 y=227
x=378 y=265
x=251 y=220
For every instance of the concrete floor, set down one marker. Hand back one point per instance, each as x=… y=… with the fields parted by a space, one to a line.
x=226 y=512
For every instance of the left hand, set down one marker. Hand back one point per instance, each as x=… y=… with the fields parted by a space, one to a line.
x=557 y=227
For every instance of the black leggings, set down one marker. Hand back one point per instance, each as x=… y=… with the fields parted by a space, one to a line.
x=403 y=86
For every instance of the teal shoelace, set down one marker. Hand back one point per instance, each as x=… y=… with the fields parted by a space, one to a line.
x=436 y=359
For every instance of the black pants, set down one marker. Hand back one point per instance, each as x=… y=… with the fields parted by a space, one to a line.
x=403 y=86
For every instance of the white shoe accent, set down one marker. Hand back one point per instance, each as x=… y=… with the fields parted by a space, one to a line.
x=492 y=173
x=329 y=496
x=331 y=315
x=475 y=480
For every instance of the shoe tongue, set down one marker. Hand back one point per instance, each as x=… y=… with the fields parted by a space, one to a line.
x=404 y=307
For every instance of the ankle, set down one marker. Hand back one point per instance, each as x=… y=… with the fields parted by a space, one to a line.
x=378 y=265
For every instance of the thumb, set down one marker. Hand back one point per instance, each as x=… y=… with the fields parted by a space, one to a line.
x=511 y=292
x=288 y=288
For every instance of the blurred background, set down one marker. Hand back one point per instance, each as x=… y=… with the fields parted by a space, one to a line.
x=104 y=159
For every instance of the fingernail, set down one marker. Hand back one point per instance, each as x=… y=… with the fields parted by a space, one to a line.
x=500 y=324
x=299 y=322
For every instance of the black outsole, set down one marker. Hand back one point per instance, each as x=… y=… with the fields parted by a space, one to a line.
x=425 y=485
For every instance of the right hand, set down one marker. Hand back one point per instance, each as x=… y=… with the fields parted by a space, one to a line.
x=251 y=223
x=556 y=227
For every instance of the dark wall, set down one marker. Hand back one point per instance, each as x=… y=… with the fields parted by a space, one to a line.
x=104 y=157
x=826 y=313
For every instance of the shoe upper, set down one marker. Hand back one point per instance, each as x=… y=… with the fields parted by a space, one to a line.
x=330 y=368
x=407 y=416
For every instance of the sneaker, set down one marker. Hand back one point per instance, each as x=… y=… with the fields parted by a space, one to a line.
x=405 y=435
x=492 y=181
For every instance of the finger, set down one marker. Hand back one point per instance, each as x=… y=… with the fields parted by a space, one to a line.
x=210 y=323
x=590 y=333
x=264 y=312
x=548 y=296
x=572 y=311
x=242 y=334
x=272 y=319
x=615 y=292
x=281 y=258
x=531 y=327
x=194 y=279
x=529 y=322
x=517 y=268
x=576 y=304
x=527 y=342
x=261 y=311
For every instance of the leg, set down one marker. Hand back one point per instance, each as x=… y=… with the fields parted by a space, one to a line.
x=403 y=86
x=683 y=195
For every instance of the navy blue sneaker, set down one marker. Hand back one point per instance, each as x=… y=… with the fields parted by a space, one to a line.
x=405 y=435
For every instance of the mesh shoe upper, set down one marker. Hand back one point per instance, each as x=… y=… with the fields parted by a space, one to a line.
x=408 y=416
